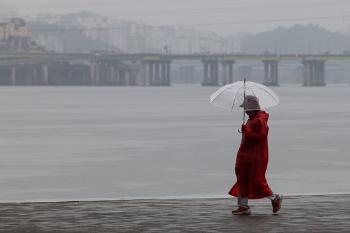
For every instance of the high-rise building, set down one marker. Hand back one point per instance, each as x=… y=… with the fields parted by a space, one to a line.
x=15 y=35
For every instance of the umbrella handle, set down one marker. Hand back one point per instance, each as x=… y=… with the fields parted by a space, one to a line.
x=239 y=131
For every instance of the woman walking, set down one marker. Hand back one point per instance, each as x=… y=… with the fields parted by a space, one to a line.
x=252 y=160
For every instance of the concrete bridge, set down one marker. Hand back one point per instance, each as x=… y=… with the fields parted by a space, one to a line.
x=104 y=68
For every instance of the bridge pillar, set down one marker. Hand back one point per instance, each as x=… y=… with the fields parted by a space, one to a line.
x=13 y=75
x=93 y=73
x=122 y=76
x=129 y=79
x=227 y=72
x=109 y=74
x=30 y=74
x=117 y=74
x=116 y=77
x=151 y=80
x=133 y=77
x=215 y=72
x=271 y=72
x=104 y=73
x=45 y=74
x=112 y=74
x=143 y=75
x=206 y=73
x=165 y=73
x=99 y=73
x=156 y=73
x=126 y=78
x=36 y=75
x=211 y=73
x=314 y=73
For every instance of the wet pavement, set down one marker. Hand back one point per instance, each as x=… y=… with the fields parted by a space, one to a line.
x=318 y=213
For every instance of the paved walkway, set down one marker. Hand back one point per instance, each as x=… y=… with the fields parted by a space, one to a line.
x=299 y=214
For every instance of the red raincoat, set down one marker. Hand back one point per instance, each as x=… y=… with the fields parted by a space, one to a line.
x=252 y=159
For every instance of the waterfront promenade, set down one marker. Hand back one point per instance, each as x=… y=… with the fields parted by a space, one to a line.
x=317 y=213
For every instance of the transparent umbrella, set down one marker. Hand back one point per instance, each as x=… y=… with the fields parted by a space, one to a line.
x=231 y=96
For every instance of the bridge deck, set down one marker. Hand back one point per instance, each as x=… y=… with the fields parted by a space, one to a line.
x=6 y=58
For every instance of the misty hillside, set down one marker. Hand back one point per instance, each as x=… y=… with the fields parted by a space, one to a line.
x=89 y=31
x=57 y=38
x=85 y=31
x=66 y=35
x=296 y=39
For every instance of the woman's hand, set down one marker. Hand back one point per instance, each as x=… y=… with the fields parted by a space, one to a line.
x=244 y=128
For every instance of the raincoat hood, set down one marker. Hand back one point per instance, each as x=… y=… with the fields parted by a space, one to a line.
x=250 y=102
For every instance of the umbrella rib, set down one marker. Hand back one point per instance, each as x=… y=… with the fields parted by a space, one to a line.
x=233 y=104
x=271 y=94
x=234 y=100
x=220 y=91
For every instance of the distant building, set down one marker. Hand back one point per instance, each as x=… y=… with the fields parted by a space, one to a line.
x=101 y=33
x=16 y=36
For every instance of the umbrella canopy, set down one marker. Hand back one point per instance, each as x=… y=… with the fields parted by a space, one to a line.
x=256 y=96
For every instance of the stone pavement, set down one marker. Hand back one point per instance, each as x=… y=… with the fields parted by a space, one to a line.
x=299 y=214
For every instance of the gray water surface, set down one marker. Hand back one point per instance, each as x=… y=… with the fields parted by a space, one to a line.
x=78 y=143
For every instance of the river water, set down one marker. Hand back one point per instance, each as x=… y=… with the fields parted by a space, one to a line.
x=82 y=143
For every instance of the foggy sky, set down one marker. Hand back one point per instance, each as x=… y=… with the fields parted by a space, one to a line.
x=223 y=16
